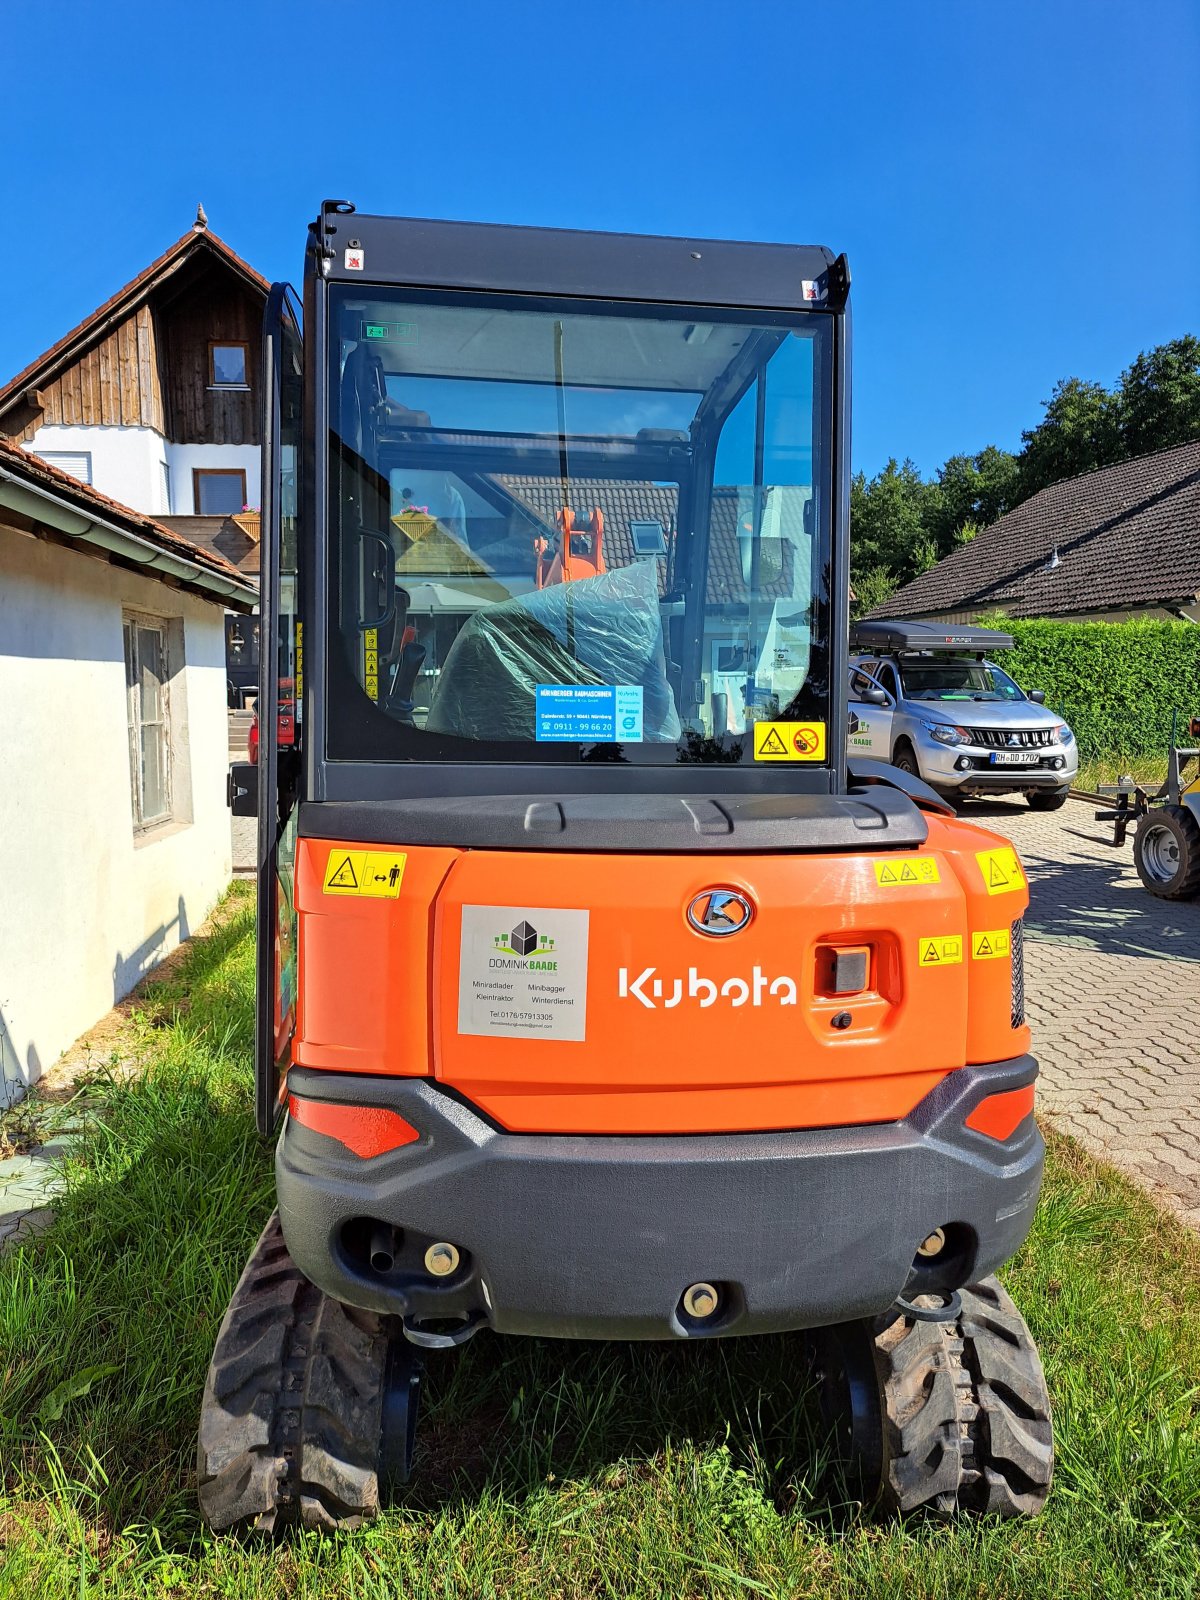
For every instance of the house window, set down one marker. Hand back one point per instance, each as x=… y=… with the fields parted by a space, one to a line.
x=76 y=462
x=146 y=678
x=228 y=366
x=166 y=487
x=218 y=491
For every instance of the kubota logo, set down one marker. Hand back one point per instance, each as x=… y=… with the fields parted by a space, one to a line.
x=719 y=912
x=650 y=989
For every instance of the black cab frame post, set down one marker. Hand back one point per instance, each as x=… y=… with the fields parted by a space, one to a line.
x=278 y=769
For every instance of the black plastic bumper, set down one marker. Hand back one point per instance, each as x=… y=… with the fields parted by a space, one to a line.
x=1004 y=780
x=599 y=1237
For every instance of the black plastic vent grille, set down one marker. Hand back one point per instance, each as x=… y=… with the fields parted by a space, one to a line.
x=1012 y=738
x=1018 y=972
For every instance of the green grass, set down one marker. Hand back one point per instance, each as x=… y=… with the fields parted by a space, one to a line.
x=1149 y=771
x=546 y=1469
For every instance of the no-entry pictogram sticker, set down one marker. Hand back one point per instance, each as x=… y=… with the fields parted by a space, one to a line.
x=789 y=741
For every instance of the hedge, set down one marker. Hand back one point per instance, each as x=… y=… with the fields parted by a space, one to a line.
x=1116 y=683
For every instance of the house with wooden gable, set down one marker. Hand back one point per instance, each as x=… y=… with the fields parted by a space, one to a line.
x=114 y=827
x=153 y=399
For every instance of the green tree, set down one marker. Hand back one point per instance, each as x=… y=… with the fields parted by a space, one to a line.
x=870 y=589
x=1081 y=430
x=974 y=489
x=1159 y=397
x=890 y=519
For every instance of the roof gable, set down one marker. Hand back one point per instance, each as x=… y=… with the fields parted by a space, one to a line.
x=197 y=242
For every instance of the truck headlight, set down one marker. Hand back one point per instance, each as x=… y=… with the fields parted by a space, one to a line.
x=1063 y=734
x=947 y=733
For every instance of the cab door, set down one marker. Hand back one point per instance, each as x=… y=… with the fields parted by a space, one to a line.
x=280 y=700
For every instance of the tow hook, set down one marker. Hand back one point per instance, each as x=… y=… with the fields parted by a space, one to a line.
x=947 y=1311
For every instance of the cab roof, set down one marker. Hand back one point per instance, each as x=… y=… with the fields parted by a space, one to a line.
x=894 y=637
x=422 y=253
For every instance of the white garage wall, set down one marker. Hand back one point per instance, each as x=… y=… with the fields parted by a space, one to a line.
x=85 y=909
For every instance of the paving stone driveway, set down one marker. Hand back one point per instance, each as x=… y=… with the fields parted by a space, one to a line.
x=1113 y=998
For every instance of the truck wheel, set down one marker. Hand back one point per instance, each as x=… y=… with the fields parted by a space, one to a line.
x=305 y=1407
x=1047 y=799
x=1166 y=852
x=948 y=1417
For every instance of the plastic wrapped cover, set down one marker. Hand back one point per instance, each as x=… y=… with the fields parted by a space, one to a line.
x=604 y=630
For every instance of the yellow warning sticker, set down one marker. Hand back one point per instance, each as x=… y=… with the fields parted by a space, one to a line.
x=1001 y=870
x=299 y=662
x=944 y=950
x=789 y=741
x=374 y=873
x=990 y=946
x=371 y=662
x=894 y=874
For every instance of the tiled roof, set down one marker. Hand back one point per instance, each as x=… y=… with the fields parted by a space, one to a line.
x=624 y=501
x=1127 y=536
x=40 y=474
x=126 y=299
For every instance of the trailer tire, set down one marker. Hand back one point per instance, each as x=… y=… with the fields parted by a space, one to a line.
x=1166 y=852
x=291 y=1417
x=946 y=1417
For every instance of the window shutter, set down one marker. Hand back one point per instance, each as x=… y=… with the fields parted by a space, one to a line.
x=76 y=462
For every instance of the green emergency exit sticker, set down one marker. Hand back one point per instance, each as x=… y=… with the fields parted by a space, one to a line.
x=394 y=332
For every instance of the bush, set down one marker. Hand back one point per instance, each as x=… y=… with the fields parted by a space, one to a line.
x=1118 y=684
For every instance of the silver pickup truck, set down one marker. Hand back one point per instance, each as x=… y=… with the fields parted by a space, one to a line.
x=925 y=696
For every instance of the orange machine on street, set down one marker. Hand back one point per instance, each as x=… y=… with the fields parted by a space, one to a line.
x=598 y=996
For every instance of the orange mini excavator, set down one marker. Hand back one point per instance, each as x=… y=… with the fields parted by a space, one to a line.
x=599 y=996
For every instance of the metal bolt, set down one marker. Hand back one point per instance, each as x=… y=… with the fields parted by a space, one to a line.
x=700 y=1300
x=441 y=1260
x=934 y=1245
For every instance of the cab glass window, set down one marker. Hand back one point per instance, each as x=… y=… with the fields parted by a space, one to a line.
x=564 y=533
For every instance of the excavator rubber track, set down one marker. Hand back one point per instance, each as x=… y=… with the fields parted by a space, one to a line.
x=944 y=1416
x=309 y=1407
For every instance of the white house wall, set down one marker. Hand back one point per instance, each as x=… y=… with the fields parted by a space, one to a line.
x=127 y=463
x=184 y=458
x=85 y=910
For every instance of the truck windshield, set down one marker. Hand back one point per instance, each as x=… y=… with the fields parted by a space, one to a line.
x=574 y=531
x=957 y=680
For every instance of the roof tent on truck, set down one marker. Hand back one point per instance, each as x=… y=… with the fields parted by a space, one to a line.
x=896 y=638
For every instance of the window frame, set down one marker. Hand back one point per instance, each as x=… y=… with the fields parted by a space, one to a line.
x=133 y=623
x=356 y=743
x=216 y=472
x=228 y=344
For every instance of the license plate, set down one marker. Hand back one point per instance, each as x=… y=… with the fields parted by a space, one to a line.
x=1012 y=758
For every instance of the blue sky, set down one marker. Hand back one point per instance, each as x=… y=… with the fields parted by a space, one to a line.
x=1016 y=182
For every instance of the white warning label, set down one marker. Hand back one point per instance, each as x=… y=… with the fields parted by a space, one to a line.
x=523 y=972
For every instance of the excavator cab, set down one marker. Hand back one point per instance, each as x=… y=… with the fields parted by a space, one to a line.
x=597 y=996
